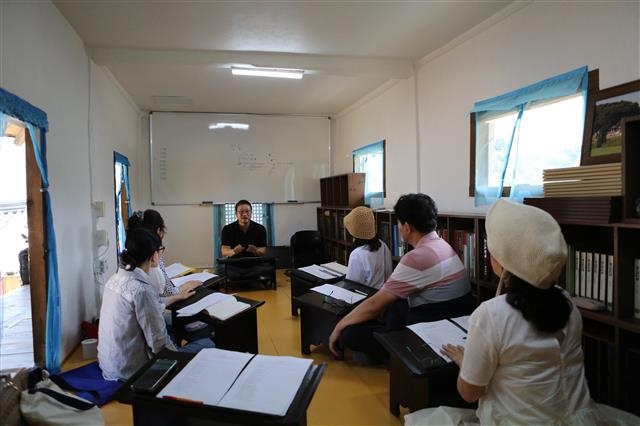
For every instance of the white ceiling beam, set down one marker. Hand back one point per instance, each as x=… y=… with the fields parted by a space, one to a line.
x=315 y=64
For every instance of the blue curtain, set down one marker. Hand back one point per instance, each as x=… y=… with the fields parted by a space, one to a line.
x=518 y=101
x=36 y=120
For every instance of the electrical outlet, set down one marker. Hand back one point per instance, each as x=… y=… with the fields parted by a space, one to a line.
x=98 y=208
x=100 y=237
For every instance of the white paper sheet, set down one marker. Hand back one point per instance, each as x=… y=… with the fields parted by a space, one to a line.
x=177 y=269
x=207 y=377
x=438 y=333
x=202 y=304
x=462 y=321
x=340 y=293
x=268 y=385
x=199 y=276
x=335 y=267
x=320 y=272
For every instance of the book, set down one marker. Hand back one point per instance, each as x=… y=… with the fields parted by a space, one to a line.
x=610 y=282
x=198 y=276
x=576 y=273
x=588 y=275
x=335 y=267
x=597 y=288
x=177 y=269
x=636 y=281
x=322 y=272
x=603 y=278
x=257 y=383
x=226 y=308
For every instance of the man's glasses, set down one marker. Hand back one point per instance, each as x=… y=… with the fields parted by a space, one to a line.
x=160 y=249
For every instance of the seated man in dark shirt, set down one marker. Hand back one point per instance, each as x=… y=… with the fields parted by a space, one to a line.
x=244 y=238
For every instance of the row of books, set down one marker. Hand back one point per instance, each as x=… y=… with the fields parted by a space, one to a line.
x=590 y=275
x=464 y=243
x=332 y=224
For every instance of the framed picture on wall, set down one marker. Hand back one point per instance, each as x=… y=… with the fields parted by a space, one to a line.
x=602 y=140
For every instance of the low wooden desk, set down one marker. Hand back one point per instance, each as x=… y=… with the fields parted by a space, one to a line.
x=418 y=377
x=319 y=314
x=152 y=411
x=238 y=333
x=301 y=283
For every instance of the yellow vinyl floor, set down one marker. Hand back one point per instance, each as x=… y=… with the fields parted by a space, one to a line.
x=347 y=395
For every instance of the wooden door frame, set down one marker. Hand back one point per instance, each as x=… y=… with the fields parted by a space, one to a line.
x=37 y=252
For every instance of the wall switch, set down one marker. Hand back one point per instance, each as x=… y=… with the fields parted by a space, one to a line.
x=100 y=238
x=98 y=208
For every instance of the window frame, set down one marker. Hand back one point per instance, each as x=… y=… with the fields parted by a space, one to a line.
x=593 y=77
x=383 y=144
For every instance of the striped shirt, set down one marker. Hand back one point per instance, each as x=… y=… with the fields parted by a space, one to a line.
x=430 y=273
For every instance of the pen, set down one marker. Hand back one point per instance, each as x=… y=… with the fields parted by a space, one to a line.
x=179 y=399
x=360 y=292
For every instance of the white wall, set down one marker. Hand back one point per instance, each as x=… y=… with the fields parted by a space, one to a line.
x=538 y=41
x=114 y=126
x=44 y=62
x=391 y=115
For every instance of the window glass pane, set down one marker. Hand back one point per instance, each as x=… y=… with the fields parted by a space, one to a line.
x=549 y=136
x=257 y=213
x=370 y=160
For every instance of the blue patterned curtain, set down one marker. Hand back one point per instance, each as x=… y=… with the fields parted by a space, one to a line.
x=36 y=121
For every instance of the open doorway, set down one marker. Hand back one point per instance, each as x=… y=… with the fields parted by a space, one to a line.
x=16 y=330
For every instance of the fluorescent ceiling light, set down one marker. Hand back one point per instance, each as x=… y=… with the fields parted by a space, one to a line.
x=240 y=126
x=267 y=72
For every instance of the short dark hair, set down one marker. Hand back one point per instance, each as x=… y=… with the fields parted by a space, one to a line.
x=149 y=219
x=419 y=210
x=242 y=203
x=373 y=243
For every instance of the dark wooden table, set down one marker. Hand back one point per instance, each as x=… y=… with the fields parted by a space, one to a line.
x=301 y=283
x=152 y=411
x=237 y=333
x=418 y=377
x=319 y=314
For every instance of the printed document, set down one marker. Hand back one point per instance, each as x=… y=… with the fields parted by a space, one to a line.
x=339 y=293
x=177 y=269
x=335 y=267
x=438 y=333
x=320 y=272
x=226 y=308
x=199 y=276
x=256 y=383
x=202 y=304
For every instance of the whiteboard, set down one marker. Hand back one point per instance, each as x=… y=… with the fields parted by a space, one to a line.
x=278 y=159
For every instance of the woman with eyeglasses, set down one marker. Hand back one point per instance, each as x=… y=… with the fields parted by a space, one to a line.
x=152 y=220
x=132 y=328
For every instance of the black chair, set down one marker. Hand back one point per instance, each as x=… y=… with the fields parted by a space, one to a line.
x=246 y=270
x=306 y=248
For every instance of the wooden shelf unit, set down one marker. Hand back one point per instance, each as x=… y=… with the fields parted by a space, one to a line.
x=345 y=190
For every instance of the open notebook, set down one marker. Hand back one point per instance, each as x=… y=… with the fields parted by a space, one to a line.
x=438 y=333
x=258 y=383
x=218 y=305
x=326 y=271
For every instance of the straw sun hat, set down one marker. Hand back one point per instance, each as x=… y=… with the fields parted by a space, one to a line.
x=360 y=223
x=526 y=241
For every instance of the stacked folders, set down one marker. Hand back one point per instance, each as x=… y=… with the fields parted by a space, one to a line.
x=595 y=180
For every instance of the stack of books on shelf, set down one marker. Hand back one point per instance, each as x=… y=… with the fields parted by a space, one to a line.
x=590 y=275
x=398 y=247
x=594 y=180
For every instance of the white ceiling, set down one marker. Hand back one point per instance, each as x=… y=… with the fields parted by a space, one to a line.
x=175 y=55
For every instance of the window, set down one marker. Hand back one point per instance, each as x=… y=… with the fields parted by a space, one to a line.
x=370 y=160
x=224 y=214
x=514 y=137
x=122 y=198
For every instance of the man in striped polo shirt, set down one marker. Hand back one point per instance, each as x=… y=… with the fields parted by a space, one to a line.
x=430 y=283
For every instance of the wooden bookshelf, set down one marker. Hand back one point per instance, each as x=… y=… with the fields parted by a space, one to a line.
x=342 y=190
